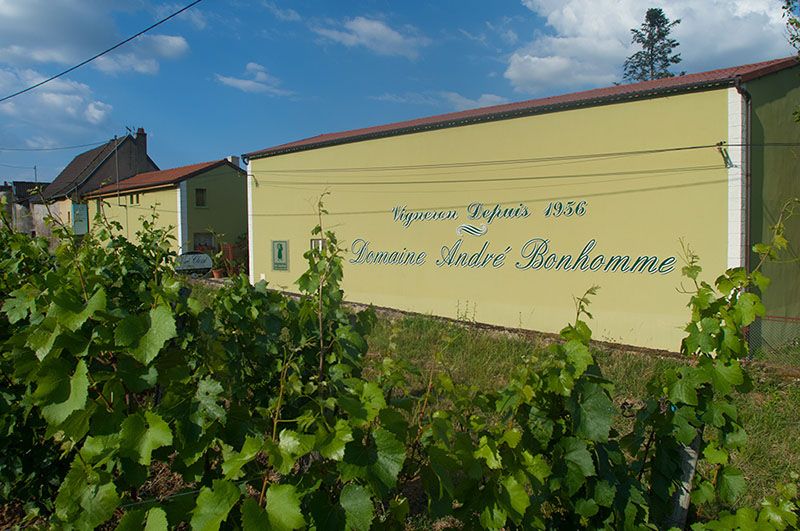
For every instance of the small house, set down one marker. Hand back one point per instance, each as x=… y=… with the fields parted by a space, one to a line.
x=202 y=203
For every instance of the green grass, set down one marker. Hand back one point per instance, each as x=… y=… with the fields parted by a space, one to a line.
x=484 y=357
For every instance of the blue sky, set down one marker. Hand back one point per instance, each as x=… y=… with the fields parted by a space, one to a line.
x=234 y=76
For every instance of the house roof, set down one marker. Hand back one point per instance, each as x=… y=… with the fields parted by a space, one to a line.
x=79 y=169
x=617 y=93
x=23 y=190
x=161 y=178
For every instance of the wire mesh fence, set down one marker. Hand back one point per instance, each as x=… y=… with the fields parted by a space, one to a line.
x=775 y=340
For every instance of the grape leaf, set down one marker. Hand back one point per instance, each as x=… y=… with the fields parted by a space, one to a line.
x=161 y=330
x=358 y=508
x=56 y=413
x=593 y=412
x=578 y=461
x=487 y=450
x=283 y=508
x=98 y=504
x=517 y=497
x=731 y=484
x=140 y=435
x=234 y=461
x=331 y=444
x=70 y=313
x=391 y=456
x=213 y=505
x=254 y=518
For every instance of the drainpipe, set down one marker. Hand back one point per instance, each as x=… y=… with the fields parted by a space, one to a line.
x=746 y=152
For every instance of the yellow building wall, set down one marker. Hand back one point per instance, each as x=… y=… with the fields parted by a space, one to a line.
x=636 y=204
x=163 y=202
x=226 y=205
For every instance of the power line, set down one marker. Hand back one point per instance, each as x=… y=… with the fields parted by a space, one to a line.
x=587 y=156
x=16 y=167
x=53 y=148
x=501 y=162
x=129 y=39
x=499 y=179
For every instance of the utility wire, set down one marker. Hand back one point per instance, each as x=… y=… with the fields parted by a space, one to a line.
x=16 y=167
x=497 y=179
x=54 y=148
x=560 y=158
x=129 y=39
x=586 y=156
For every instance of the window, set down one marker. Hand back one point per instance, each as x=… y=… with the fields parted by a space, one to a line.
x=200 y=197
x=317 y=244
x=133 y=199
x=203 y=241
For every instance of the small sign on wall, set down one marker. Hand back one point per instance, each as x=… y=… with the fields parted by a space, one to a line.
x=280 y=255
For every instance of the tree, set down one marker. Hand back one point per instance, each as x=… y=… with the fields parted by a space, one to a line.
x=791 y=12
x=656 y=55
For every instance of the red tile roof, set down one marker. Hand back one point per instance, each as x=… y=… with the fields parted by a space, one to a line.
x=162 y=178
x=616 y=93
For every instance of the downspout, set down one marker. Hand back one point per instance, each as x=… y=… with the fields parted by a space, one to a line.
x=746 y=152
x=250 y=249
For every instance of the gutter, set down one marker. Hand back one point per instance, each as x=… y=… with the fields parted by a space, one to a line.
x=129 y=190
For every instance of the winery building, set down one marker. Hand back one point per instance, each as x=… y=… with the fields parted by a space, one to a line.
x=503 y=214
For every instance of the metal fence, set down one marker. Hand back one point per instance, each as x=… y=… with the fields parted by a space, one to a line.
x=775 y=340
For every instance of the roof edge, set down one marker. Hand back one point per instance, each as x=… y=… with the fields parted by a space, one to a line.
x=496 y=116
x=151 y=186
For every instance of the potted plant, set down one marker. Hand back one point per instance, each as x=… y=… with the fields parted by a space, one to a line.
x=218 y=264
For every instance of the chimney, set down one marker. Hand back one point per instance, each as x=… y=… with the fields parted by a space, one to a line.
x=141 y=152
x=233 y=159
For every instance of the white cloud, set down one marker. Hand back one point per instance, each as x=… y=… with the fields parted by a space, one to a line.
x=39 y=142
x=376 y=36
x=143 y=54
x=408 y=98
x=256 y=80
x=67 y=32
x=193 y=16
x=590 y=39
x=502 y=30
x=97 y=111
x=447 y=99
x=480 y=38
x=60 y=105
x=286 y=15
x=58 y=32
x=461 y=103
